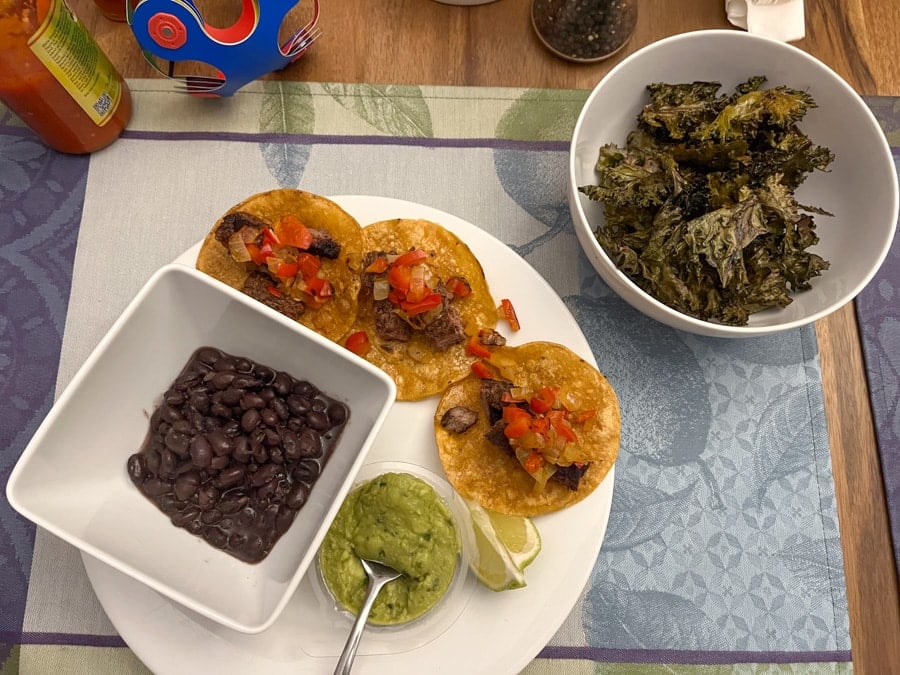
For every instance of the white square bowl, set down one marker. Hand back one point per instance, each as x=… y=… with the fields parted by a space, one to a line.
x=72 y=478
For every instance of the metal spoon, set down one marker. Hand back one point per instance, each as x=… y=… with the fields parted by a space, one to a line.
x=379 y=574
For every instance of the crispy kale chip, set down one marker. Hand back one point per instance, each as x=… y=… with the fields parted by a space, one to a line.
x=699 y=204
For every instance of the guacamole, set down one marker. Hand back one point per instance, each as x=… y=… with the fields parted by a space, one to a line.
x=400 y=520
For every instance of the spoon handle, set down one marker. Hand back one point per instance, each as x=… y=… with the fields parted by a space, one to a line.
x=346 y=661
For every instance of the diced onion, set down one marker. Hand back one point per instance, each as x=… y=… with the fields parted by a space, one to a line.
x=238 y=248
x=381 y=288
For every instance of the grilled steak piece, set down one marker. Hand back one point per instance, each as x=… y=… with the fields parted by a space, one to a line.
x=570 y=475
x=323 y=244
x=257 y=286
x=491 y=338
x=492 y=396
x=388 y=324
x=447 y=329
x=459 y=419
x=233 y=222
x=495 y=436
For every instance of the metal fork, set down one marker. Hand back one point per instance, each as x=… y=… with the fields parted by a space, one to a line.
x=379 y=574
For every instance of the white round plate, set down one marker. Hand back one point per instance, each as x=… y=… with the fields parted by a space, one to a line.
x=494 y=632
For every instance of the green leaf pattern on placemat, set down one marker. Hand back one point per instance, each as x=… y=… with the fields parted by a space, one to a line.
x=391 y=109
x=286 y=110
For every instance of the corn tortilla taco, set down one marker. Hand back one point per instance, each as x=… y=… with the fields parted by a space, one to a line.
x=294 y=251
x=536 y=432
x=423 y=295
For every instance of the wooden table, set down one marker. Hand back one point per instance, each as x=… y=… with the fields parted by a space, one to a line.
x=424 y=42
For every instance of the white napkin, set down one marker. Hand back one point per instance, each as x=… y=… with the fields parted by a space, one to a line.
x=779 y=19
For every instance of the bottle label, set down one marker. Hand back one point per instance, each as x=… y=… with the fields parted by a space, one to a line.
x=68 y=51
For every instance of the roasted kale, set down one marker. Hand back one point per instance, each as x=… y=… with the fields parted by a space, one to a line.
x=699 y=204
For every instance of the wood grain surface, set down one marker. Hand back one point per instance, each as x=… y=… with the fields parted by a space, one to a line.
x=425 y=42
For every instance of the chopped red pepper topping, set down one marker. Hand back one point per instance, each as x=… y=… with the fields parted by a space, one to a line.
x=377 y=266
x=475 y=348
x=482 y=370
x=358 y=343
x=534 y=462
x=508 y=312
x=410 y=258
x=458 y=286
x=290 y=231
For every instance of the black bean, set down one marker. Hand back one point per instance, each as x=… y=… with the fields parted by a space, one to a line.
x=250 y=420
x=151 y=461
x=269 y=417
x=224 y=364
x=231 y=476
x=252 y=400
x=201 y=451
x=215 y=537
x=279 y=407
x=337 y=413
x=282 y=384
x=219 y=442
x=218 y=462
x=222 y=380
x=306 y=470
x=318 y=420
x=137 y=468
x=186 y=485
x=264 y=474
x=211 y=516
x=297 y=496
x=154 y=487
x=233 y=504
x=310 y=443
x=174 y=398
x=242 y=450
x=319 y=405
x=168 y=503
x=221 y=410
x=177 y=442
x=298 y=405
x=199 y=401
x=168 y=462
x=169 y=414
x=208 y=355
x=232 y=428
x=231 y=396
x=305 y=389
x=290 y=444
x=246 y=382
x=243 y=365
x=188 y=515
x=207 y=496
x=265 y=374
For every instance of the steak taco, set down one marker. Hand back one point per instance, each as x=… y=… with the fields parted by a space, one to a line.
x=295 y=252
x=423 y=295
x=537 y=431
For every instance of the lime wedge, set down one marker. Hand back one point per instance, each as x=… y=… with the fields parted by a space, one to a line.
x=504 y=546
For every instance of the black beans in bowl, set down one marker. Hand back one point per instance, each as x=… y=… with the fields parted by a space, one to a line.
x=234 y=449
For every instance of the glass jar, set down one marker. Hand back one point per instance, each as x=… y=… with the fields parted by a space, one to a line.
x=584 y=31
x=55 y=77
x=114 y=10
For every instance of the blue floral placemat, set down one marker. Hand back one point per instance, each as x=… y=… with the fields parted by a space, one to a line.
x=723 y=546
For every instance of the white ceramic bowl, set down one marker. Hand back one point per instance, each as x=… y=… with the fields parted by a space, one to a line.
x=860 y=189
x=72 y=478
